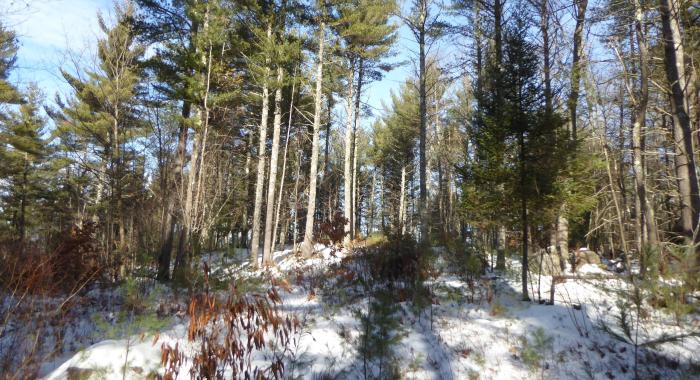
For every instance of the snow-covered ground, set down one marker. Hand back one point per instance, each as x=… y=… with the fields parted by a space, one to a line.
x=472 y=330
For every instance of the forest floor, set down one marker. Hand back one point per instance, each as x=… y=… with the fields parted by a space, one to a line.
x=471 y=328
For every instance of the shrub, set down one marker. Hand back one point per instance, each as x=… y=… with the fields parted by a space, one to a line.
x=228 y=333
x=379 y=333
x=76 y=262
x=534 y=350
x=332 y=232
x=396 y=261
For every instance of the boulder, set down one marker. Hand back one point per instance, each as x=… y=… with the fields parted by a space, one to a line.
x=551 y=265
x=585 y=256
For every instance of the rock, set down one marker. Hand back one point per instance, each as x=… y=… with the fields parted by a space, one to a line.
x=550 y=264
x=584 y=256
x=75 y=373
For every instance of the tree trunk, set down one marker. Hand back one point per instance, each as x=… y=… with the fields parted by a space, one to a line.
x=347 y=162
x=326 y=147
x=284 y=162
x=260 y=182
x=523 y=218
x=187 y=209
x=682 y=132
x=646 y=209
x=170 y=219
x=296 y=202
x=356 y=214
x=501 y=249
x=272 y=181
x=307 y=248
x=576 y=65
x=21 y=224
x=402 y=202
x=355 y=199
x=563 y=238
x=423 y=195
x=372 y=206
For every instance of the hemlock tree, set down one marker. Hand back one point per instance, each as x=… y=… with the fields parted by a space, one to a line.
x=534 y=134
x=486 y=130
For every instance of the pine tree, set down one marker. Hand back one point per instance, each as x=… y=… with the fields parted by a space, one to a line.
x=307 y=247
x=8 y=56
x=24 y=153
x=425 y=25
x=393 y=151
x=367 y=38
x=682 y=133
x=102 y=118
x=177 y=31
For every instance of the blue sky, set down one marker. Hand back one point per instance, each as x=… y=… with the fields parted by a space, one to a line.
x=48 y=30
x=54 y=33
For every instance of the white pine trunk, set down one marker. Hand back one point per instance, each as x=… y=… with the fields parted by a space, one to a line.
x=307 y=247
x=271 y=186
x=284 y=169
x=347 y=167
x=259 y=183
x=402 y=201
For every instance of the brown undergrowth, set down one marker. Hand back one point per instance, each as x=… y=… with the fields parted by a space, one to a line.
x=235 y=336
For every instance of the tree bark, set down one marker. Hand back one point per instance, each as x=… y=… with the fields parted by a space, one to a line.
x=576 y=65
x=260 y=182
x=356 y=214
x=307 y=248
x=563 y=238
x=284 y=162
x=647 y=209
x=523 y=218
x=422 y=109
x=501 y=248
x=355 y=199
x=402 y=202
x=347 y=163
x=170 y=219
x=682 y=131
x=272 y=181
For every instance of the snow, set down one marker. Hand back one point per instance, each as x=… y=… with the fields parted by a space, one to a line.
x=110 y=358
x=490 y=338
x=590 y=269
